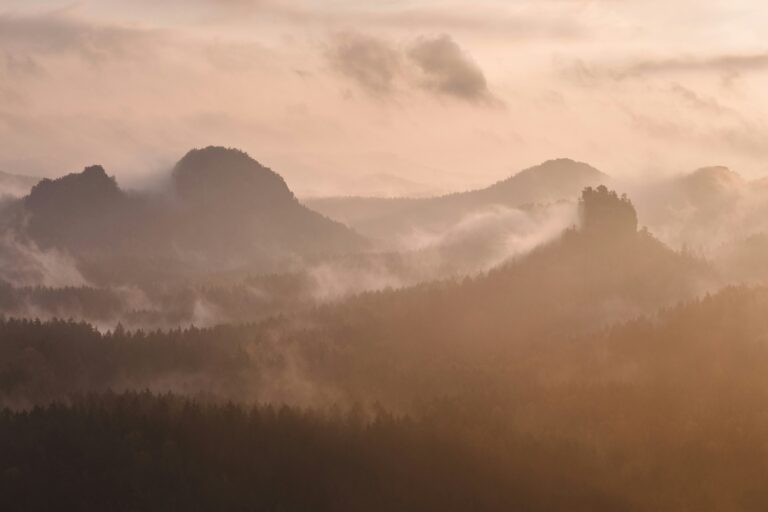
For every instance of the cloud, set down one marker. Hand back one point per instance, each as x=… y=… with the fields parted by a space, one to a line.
x=695 y=100
x=738 y=136
x=521 y=22
x=13 y=65
x=58 y=32
x=486 y=237
x=448 y=70
x=434 y=64
x=729 y=64
x=371 y=63
x=22 y=263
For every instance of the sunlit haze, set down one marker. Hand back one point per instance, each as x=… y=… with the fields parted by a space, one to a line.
x=384 y=256
x=334 y=94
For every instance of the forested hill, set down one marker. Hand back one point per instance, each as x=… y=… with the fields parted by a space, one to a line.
x=629 y=419
x=223 y=212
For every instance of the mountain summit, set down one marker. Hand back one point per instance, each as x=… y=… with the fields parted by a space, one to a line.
x=90 y=188
x=552 y=180
x=216 y=174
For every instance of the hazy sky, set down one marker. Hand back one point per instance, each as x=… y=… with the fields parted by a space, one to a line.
x=444 y=94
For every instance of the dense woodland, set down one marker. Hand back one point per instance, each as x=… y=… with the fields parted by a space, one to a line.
x=662 y=412
x=145 y=452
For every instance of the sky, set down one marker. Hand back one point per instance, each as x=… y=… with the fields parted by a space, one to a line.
x=387 y=96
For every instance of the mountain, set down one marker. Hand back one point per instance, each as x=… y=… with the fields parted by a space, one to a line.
x=223 y=194
x=711 y=187
x=551 y=181
x=224 y=212
x=16 y=185
x=705 y=208
x=79 y=208
x=383 y=218
x=217 y=176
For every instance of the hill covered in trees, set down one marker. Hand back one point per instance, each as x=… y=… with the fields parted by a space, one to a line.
x=224 y=212
x=630 y=418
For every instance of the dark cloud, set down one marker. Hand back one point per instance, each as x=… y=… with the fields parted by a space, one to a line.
x=448 y=70
x=437 y=65
x=370 y=62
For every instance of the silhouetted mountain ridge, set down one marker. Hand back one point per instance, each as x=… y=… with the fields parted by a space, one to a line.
x=225 y=211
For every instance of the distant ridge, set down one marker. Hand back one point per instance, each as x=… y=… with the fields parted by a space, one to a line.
x=711 y=183
x=552 y=181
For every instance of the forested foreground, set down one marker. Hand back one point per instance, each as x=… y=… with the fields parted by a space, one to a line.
x=661 y=413
x=149 y=452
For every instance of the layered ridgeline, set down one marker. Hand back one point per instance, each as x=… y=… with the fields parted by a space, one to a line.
x=555 y=377
x=224 y=212
x=224 y=216
x=498 y=241
x=385 y=218
x=378 y=346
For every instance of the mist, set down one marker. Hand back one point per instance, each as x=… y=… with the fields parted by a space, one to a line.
x=338 y=256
